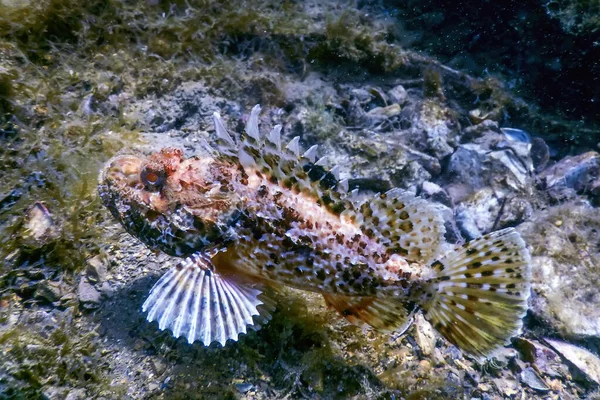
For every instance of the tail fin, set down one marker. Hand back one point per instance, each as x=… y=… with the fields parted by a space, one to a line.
x=479 y=294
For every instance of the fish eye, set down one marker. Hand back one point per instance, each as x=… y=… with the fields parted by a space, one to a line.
x=152 y=179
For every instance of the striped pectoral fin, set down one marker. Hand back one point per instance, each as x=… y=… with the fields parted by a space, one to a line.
x=389 y=315
x=197 y=303
x=479 y=296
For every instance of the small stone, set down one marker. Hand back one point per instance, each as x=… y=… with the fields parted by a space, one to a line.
x=398 y=95
x=533 y=380
x=39 y=227
x=76 y=394
x=49 y=291
x=385 y=112
x=424 y=335
x=243 y=387
x=540 y=154
x=89 y=297
x=506 y=385
x=424 y=368
x=96 y=269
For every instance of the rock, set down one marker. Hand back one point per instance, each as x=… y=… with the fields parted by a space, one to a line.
x=96 y=269
x=89 y=297
x=398 y=95
x=432 y=131
x=540 y=154
x=363 y=96
x=411 y=175
x=582 y=360
x=243 y=387
x=533 y=380
x=39 y=227
x=384 y=112
x=507 y=385
x=545 y=360
x=50 y=291
x=434 y=192
x=579 y=174
x=493 y=160
x=564 y=262
x=424 y=335
x=77 y=394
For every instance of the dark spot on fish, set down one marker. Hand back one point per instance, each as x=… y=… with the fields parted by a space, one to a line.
x=509 y=261
x=298 y=271
x=444 y=278
x=273 y=179
x=495 y=258
x=487 y=273
x=476 y=264
x=328 y=181
x=406 y=226
x=438 y=265
x=510 y=270
x=468 y=275
x=270 y=266
x=403 y=215
x=511 y=286
x=321 y=274
x=262 y=191
x=471 y=250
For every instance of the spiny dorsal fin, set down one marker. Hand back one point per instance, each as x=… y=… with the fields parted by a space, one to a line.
x=293 y=169
x=405 y=224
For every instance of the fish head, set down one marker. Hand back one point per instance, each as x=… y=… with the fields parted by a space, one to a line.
x=176 y=205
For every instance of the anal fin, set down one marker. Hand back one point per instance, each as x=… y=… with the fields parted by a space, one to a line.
x=193 y=301
x=388 y=315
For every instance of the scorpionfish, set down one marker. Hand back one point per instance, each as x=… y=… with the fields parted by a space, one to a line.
x=252 y=214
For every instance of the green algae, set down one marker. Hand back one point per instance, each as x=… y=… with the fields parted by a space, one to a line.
x=56 y=356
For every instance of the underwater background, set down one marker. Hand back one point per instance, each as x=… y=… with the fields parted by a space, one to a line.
x=490 y=109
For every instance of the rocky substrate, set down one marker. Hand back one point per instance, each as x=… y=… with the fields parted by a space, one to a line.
x=83 y=335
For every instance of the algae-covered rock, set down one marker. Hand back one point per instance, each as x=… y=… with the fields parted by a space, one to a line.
x=565 y=268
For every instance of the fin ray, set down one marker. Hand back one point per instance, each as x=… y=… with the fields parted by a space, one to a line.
x=382 y=314
x=193 y=301
x=479 y=296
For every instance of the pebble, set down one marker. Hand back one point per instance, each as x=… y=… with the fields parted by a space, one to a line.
x=424 y=335
x=96 y=269
x=533 y=380
x=398 y=95
x=89 y=297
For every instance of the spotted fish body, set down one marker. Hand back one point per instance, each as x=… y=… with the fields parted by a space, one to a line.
x=253 y=214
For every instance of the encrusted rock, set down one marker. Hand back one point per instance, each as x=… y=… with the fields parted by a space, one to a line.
x=565 y=260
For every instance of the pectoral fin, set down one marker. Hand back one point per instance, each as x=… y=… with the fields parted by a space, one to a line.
x=193 y=301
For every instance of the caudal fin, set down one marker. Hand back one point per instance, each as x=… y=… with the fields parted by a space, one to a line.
x=479 y=295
